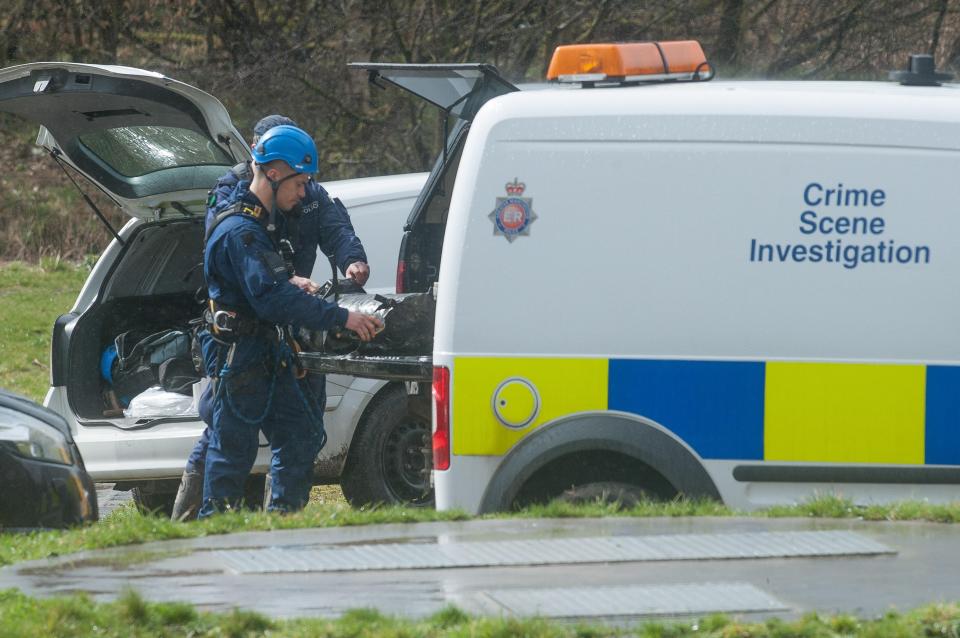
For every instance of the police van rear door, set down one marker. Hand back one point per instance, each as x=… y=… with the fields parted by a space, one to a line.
x=459 y=91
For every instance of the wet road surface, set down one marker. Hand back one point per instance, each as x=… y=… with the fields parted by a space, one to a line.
x=108 y=499
x=610 y=569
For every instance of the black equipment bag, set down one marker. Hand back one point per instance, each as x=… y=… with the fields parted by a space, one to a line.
x=407 y=320
x=161 y=358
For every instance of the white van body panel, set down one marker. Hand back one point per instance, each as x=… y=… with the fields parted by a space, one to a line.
x=755 y=495
x=464 y=488
x=586 y=172
x=683 y=225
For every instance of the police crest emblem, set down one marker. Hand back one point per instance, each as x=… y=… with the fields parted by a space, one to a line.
x=513 y=214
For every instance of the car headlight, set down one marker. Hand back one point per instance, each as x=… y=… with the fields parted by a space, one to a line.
x=30 y=437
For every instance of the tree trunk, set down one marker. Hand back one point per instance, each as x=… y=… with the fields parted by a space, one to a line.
x=730 y=31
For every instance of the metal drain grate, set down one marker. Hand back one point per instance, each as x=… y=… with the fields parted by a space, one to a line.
x=635 y=600
x=552 y=552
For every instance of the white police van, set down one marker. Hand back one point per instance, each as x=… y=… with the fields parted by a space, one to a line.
x=155 y=146
x=737 y=290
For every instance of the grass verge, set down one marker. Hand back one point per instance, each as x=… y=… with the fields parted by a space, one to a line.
x=127 y=526
x=79 y=616
x=31 y=298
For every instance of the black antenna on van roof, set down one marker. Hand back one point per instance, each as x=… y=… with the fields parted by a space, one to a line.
x=921 y=71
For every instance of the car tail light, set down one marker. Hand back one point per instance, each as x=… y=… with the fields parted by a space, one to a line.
x=441 y=404
x=401 y=276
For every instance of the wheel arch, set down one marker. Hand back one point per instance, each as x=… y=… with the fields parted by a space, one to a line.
x=625 y=434
x=371 y=393
x=378 y=466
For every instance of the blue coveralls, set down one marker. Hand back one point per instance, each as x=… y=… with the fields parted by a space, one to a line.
x=323 y=222
x=257 y=390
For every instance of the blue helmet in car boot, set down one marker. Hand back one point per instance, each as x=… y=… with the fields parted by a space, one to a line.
x=290 y=144
x=107 y=360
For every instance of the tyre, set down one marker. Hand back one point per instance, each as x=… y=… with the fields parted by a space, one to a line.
x=151 y=500
x=623 y=495
x=386 y=463
x=255 y=495
x=158 y=497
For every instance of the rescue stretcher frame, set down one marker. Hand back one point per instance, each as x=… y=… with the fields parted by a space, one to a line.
x=390 y=368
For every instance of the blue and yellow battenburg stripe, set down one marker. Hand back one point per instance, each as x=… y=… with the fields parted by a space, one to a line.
x=737 y=410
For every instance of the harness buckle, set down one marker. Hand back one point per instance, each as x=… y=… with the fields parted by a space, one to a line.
x=224 y=321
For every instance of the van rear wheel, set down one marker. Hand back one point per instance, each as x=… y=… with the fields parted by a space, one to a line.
x=387 y=463
x=623 y=495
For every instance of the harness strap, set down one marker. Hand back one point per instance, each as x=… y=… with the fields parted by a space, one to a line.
x=237 y=208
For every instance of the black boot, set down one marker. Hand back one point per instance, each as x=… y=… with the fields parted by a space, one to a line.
x=189 y=497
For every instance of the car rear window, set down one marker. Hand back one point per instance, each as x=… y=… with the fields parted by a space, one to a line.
x=133 y=151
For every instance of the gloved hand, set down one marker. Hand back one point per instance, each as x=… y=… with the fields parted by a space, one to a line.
x=306 y=285
x=366 y=326
x=358 y=271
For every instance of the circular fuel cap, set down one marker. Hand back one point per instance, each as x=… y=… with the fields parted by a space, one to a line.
x=516 y=403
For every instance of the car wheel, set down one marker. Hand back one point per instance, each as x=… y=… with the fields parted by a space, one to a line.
x=386 y=462
x=255 y=494
x=151 y=502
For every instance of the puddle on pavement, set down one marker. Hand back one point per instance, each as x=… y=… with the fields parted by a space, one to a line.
x=117 y=562
x=299 y=547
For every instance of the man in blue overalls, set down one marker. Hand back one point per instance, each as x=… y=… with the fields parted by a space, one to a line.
x=316 y=221
x=252 y=301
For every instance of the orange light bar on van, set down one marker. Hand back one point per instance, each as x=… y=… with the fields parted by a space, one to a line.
x=629 y=61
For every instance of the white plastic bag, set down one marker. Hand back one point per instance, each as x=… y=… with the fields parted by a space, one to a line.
x=157 y=402
x=198 y=389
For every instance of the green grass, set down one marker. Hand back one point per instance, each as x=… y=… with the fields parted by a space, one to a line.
x=79 y=616
x=127 y=526
x=820 y=506
x=31 y=298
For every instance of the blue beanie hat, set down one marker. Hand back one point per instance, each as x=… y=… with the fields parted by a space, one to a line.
x=268 y=122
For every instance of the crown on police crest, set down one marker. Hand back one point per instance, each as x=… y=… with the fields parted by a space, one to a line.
x=516 y=187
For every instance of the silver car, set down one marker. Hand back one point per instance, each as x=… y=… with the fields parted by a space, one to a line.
x=155 y=146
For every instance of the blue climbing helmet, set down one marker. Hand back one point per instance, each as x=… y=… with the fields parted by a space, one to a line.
x=290 y=144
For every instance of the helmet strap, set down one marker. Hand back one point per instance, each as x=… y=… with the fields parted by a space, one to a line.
x=275 y=186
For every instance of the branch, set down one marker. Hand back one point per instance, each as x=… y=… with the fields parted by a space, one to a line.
x=937 y=26
x=598 y=17
x=152 y=49
x=340 y=106
x=395 y=32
